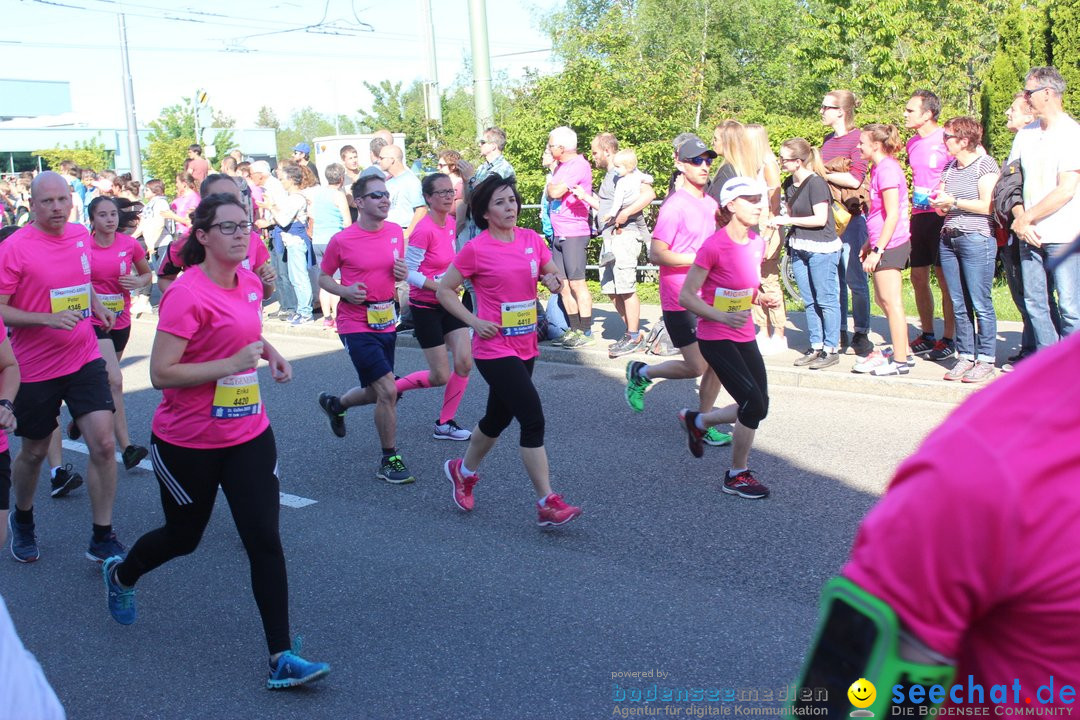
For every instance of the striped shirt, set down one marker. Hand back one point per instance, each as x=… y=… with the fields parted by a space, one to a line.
x=963 y=184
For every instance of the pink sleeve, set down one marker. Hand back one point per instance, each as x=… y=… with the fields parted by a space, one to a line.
x=262 y=255
x=892 y=176
x=585 y=178
x=178 y=313
x=174 y=251
x=465 y=262
x=9 y=272
x=931 y=548
x=667 y=223
x=706 y=255
x=331 y=261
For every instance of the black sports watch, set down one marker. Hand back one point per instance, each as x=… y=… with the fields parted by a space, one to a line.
x=7 y=404
x=876 y=249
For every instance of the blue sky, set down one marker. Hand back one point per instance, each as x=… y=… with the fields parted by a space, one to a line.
x=247 y=53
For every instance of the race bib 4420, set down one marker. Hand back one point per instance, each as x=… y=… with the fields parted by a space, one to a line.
x=237 y=396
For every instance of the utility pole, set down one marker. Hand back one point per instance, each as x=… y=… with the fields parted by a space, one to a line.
x=129 y=105
x=432 y=99
x=481 y=65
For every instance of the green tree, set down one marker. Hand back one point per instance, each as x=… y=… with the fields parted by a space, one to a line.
x=170 y=135
x=1065 y=48
x=266 y=118
x=89 y=154
x=304 y=125
x=1020 y=46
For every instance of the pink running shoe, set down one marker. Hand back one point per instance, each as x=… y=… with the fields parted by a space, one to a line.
x=556 y=512
x=463 y=486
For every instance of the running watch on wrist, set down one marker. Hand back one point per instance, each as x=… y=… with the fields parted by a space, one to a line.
x=7 y=404
x=876 y=249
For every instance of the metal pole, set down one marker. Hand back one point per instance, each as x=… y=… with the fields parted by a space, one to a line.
x=432 y=102
x=481 y=64
x=129 y=105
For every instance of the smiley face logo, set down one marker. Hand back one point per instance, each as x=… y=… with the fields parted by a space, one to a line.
x=862 y=693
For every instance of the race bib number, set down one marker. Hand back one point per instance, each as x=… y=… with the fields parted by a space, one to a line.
x=112 y=302
x=519 y=318
x=76 y=297
x=726 y=300
x=380 y=316
x=237 y=396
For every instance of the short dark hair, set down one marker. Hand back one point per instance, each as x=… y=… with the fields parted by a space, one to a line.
x=930 y=103
x=481 y=197
x=966 y=128
x=228 y=163
x=195 y=148
x=213 y=178
x=294 y=173
x=427 y=185
x=155 y=186
x=346 y=149
x=361 y=185
x=376 y=145
x=193 y=251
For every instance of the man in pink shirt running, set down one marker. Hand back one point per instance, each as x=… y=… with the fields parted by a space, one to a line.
x=47 y=299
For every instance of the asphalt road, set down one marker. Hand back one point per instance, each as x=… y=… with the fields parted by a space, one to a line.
x=426 y=612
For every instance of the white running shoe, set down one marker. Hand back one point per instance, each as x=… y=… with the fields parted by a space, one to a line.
x=450 y=430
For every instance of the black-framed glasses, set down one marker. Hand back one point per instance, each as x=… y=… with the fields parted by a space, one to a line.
x=1032 y=91
x=787 y=160
x=947 y=136
x=443 y=193
x=376 y=194
x=823 y=108
x=700 y=160
x=228 y=227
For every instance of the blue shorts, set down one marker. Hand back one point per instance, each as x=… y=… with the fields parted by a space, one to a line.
x=372 y=354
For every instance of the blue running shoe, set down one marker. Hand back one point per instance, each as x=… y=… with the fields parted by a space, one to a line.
x=121 y=600
x=291 y=670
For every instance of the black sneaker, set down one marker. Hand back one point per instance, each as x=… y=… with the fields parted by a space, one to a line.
x=923 y=344
x=133 y=455
x=65 y=480
x=824 y=360
x=73 y=431
x=22 y=542
x=861 y=345
x=943 y=350
x=332 y=407
x=628 y=345
x=808 y=357
x=695 y=438
x=102 y=550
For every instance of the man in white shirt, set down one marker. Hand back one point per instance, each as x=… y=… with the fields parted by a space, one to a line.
x=1050 y=157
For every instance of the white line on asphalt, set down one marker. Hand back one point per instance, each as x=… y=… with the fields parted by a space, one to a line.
x=293 y=501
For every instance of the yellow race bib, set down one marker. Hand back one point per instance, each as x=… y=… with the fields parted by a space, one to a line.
x=237 y=396
x=380 y=315
x=76 y=297
x=726 y=300
x=112 y=302
x=519 y=318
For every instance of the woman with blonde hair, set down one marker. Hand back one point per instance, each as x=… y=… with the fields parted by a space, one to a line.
x=735 y=151
x=889 y=246
x=771 y=320
x=814 y=249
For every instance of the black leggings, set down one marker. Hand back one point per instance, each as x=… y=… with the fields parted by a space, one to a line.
x=742 y=373
x=511 y=394
x=189 y=480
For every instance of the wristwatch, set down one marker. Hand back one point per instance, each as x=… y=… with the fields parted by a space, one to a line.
x=7 y=404
x=876 y=249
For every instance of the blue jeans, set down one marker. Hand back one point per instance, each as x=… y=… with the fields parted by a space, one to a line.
x=1039 y=292
x=850 y=268
x=1010 y=262
x=967 y=262
x=819 y=284
x=285 y=295
x=297 y=262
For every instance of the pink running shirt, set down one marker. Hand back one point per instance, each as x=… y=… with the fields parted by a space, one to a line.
x=927 y=157
x=3 y=435
x=976 y=542
x=438 y=245
x=884 y=176
x=107 y=264
x=366 y=257
x=735 y=267
x=256 y=257
x=684 y=223
x=504 y=276
x=43 y=273
x=571 y=217
x=184 y=205
x=216 y=323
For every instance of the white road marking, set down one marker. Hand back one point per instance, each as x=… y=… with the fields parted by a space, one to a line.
x=293 y=501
